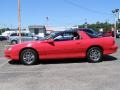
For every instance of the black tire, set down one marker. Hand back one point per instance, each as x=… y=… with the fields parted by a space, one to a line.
x=29 y=57
x=14 y=42
x=94 y=55
x=118 y=36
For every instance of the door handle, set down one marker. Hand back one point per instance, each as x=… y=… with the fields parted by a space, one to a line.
x=78 y=43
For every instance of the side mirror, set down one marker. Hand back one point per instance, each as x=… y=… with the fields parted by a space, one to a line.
x=50 y=41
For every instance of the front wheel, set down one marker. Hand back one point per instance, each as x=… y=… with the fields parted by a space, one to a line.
x=94 y=54
x=29 y=57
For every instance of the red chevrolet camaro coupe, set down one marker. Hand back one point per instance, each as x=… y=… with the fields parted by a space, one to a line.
x=77 y=43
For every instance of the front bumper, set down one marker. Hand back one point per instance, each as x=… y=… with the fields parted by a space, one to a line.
x=11 y=54
x=7 y=54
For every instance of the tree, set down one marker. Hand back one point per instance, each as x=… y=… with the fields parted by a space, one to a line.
x=98 y=25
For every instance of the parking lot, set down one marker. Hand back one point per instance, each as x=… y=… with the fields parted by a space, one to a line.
x=62 y=75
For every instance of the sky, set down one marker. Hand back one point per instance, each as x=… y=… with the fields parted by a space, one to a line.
x=59 y=12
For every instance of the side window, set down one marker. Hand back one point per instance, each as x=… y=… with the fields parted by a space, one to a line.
x=89 y=31
x=67 y=36
x=30 y=35
x=26 y=35
x=23 y=34
x=58 y=37
x=14 y=34
x=76 y=36
x=92 y=33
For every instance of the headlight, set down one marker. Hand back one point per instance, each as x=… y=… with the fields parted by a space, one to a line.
x=8 y=47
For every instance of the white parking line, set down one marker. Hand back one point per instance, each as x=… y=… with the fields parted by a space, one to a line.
x=1 y=65
x=2 y=58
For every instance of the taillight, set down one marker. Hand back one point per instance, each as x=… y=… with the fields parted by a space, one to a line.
x=113 y=42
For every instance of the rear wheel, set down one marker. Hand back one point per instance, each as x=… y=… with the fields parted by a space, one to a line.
x=13 y=42
x=94 y=54
x=29 y=57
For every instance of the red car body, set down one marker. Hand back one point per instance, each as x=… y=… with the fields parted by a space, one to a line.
x=110 y=33
x=50 y=49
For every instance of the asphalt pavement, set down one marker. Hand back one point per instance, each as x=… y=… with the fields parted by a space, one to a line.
x=61 y=75
x=2 y=46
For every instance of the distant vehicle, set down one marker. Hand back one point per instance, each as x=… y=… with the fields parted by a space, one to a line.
x=108 y=33
x=111 y=33
x=118 y=34
x=25 y=36
x=80 y=43
x=2 y=38
x=7 y=33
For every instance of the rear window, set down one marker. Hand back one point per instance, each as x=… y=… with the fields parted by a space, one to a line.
x=92 y=33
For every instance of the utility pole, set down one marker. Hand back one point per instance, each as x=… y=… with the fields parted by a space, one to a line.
x=19 y=21
x=119 y=17
x=86 y=26
x=47 y=19
x=0 y=29
x=116 y=13
x=11 y=26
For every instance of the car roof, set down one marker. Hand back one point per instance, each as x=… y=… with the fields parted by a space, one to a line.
x=72 y=30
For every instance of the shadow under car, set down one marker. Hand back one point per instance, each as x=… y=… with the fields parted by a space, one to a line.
x=65 y=61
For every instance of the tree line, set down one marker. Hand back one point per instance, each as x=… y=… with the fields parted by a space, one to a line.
x=98 y=25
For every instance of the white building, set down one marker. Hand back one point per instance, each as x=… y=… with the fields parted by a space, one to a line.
x=7 y=33
x=38 y=30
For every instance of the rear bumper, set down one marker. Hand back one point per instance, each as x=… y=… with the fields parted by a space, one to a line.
x=111 y=50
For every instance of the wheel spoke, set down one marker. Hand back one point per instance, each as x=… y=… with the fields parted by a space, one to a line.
x=95 y=55
x=28 y=57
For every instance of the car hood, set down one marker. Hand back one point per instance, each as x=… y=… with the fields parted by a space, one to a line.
x=27 y=44
x=33 y=42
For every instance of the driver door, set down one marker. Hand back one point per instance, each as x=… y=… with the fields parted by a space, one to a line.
x=63 y=46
